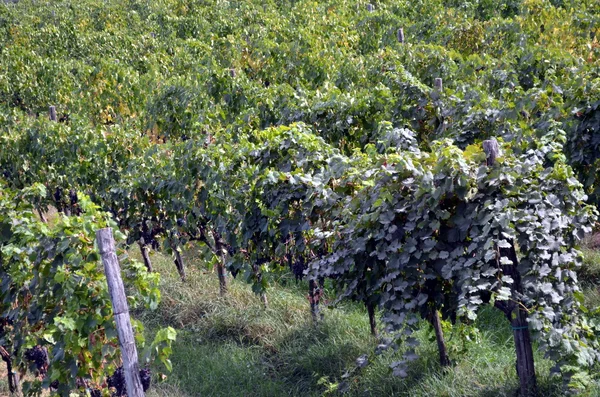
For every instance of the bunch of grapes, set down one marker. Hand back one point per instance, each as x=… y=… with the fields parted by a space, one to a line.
x=298 y=267
x=145 y=375
x=95 y=393
x=117 y=380
x=58 y=194
x=74 y=202
x=39 y=356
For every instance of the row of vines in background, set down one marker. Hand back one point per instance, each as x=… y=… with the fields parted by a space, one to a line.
x=169 y=66
x=304 y=135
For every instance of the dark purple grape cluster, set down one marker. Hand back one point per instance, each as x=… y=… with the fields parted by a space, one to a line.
x=298 y=267
x=96 y=393
x=39 y=356
x=117 y=380
x=145 y=376
x=58 y=196
x=75 y=210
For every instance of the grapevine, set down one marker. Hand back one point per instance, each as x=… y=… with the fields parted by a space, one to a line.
x=341 y=143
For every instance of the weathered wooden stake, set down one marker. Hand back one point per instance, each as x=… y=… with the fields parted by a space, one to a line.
x=516 y=314
x=439 y=336
x=514 y=311
x=14 y=385
x=42 y=216
x=221 y=272
x=106 y=246
x=372 y=320
x=525 y=362
x=400 y=35
x=52 y=113
x=179 y=262
x=314 y=297
x=264 y=300
x=145 y=256
x=263 y=295
x=492 y=150
x=437 y=83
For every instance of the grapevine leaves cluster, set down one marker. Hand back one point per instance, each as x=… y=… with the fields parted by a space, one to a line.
x=178 y=120
x=428 y=234
x=414 y=232
x=56 y=302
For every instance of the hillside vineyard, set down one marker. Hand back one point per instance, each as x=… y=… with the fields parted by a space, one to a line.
x=428 y=159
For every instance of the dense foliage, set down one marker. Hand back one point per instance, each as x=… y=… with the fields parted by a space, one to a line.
x=304 y=135
x=56 y=313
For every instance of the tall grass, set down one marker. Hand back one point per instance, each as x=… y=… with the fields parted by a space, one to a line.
x=233 y=346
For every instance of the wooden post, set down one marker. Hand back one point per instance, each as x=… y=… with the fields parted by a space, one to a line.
x=145 y=256
x=513 y=309
x=178 y=261
x=439 y=336
x=524 y=350
x=437 y=83
x=264 y=300
x=106 y=246
x=52 y=113
x=372 y=320
x=256 y=269
x=492 y=150
x=42 y=216
x=219 y=249
x=400 y=35
x=314 y=297
x=14 y=384
x=221 y=272
x=516 y=314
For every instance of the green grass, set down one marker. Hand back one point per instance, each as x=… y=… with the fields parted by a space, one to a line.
x=589 y=275
x=234 y=346
x=590 y=271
